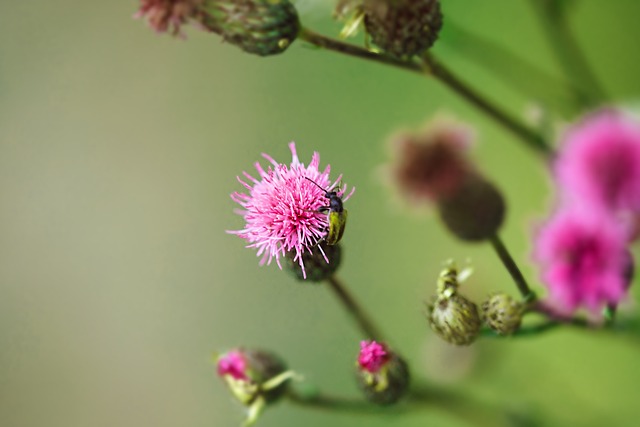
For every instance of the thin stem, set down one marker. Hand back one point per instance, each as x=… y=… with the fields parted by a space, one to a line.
x=417 y=398
x=531 y=137
x=364 y=321
x=333 y=403
x=512 y=268
x=433 y=68
x=553 y=17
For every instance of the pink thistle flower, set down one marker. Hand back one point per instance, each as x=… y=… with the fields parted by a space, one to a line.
x=599 y=163
x=168 y=15
x=373 y=356
x=233 y=364
x=584 y=259
x=431 y=164
x=281 y=209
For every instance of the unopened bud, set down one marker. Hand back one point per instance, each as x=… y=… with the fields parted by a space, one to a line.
x=403 y=28
x=382 y=375
x=502 y=313
x=455 y=319
x=475 y=211
x=262 y=27
x=254 y=377
x=319 y=263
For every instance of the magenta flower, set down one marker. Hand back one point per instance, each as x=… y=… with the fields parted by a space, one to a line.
x=281 y=208
x=599 y=163
x=168 y=15
x=233 y=364
x=373 y=356
x=584 y=259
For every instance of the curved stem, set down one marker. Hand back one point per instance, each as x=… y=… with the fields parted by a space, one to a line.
x=418 y=397
x=526 y=134
x=362 y=319
x=333 y=403
x=436 y=69
x=512 y=268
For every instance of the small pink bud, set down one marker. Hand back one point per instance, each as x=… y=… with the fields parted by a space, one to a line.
x=233 y=364
x=372 y=356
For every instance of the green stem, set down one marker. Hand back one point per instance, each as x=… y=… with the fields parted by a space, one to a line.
x=333 y=403
x=526 y=134
x=436 y=69
x=553 y=17
x=512 y=268
x=362 y=319
x=418 y=398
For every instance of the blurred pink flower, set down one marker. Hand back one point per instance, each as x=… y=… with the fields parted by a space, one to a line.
x=281 y=209
x=584 y=259
x=431 y=164
x=373 y=356
x=168 y=15
x=598 y=165
x=233 y=364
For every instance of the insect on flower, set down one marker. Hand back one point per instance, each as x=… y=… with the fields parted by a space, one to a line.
x=337 y=216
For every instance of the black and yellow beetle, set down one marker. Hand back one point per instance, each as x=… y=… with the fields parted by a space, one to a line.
x=337 y=216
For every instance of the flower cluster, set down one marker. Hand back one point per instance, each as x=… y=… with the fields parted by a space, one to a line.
x=583 y=248
x=281 y=209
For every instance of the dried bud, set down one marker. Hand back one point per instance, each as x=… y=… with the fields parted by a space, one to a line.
x=254 y=377
x=403 y=28
x=262 y=27
x=455 y=319
x=168 y=15
x=430 y=164
x=502 y=313
x=382 y=375
x=319 y=264
x=475 y=211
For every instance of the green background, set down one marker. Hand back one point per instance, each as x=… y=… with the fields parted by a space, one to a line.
x=118 y=151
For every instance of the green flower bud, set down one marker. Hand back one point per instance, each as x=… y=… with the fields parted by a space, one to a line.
x=382 y=375
x=315 y=265
x=403 y=28
x=255 y=377
x=502 y=313
x=262 y=27
x=475 y=211
x=455 y=319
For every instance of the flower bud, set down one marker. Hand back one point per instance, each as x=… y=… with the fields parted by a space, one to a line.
x=254 y=377
x=475 y=211
x=169 y=15
x=502 y=313
x=455 y=319
x=319 y=264
x=262 y=27
x=382 y=375
x=403 y=28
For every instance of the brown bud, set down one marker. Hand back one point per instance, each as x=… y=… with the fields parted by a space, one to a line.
x=403 y=28
x=475 y=211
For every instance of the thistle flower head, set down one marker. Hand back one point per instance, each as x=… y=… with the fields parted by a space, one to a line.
x=280 y=208
x=382 y=375
x=168 y=15
x=431 y=164
x=372 y=356
x=255 y=377
x=261 y=27
x=233 y=364
x=502 y=313
x=455 y=319
x=584 y=259
x=403 y=28
x=599 y=163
